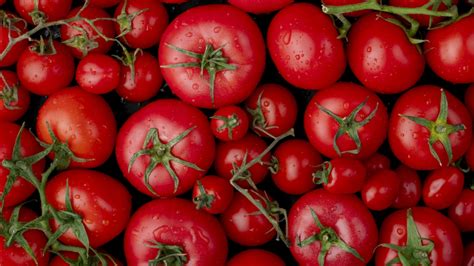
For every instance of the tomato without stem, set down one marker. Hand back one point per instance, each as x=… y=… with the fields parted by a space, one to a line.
x=256 y=257
x=461 y=211
x=376 y=162
x=104 y=3
x=14 y=99
x=381 y=190
x=212 y=194
x=469 y=99
x=260 y=6
x=443 y=187
x=98 y=73
x=468 y=254
x=410 y=188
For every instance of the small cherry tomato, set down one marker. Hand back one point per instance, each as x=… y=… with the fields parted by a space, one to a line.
x=212 y=194
x=98 y=73
x=51 y=10
x=410 y=189
x=229 y=123
x=14 y=99
x=342 y=175
x=376 y=162
x=442 y=187
x=10 y=27
x=260 y=6
x=381 y=190
x=461 y=211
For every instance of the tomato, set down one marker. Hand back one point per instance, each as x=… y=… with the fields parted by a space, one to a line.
x=449 y=51
x=342 y=175
x=98 y=73
x=104 y=3
x=82 y=120
x=104 y=214
x=45 y=68
x=58 y=261
x=428 y=116
x=469 y=99
x=21 y=188
x=146 y=28
x=343 y=217
x=424 y=20
x=294 y=162
x=84 y=41
x=52 y=10
x=305 y=48
x=468 y=255
x=11 y=29
x=470 y=156
x=381 y=56
x=222 y=34
x=431 y=225
x=165 y=147
x=14 y=99
x=229 y=123
x=461 y=211
x=167 y=228
x=273 y=109
x=442 y=187
x=260 y=6
x=15 y=254
x=256 y=257
x=344 y=3
x=376 y=162
x=381 y=190
x=232 y=155
x=409 y=193
x=346 y=120
x=147 y=80
x=212 y=194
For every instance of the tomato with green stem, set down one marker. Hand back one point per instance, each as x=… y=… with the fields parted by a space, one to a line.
x=341 y=175
x=14 y=99
x=461 y=212
x=47 y=10
x=11 y=27
x=409 y=193
x=230 y=123
x=260 y=6
x=256 y=257
x=212 y=194
x=424 y=20
x=98 y=73
x=381 y=190
x=442 y=187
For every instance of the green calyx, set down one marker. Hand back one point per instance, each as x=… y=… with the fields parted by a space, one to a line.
x=322 y=175
x=229 y=123
x=9 y=94
x=82 y=42
x=168 y=255
x=259 y=123
x=44 y=48
x=125 y=20
x=204 y=199
x=212 y=60
x=160 y=154
x=328 y=238
x=439 y=130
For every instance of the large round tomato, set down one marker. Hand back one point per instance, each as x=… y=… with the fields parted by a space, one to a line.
x=260 y=6
x=14 y=99
x=52 y=10
x=212 y=56
x=165 y=147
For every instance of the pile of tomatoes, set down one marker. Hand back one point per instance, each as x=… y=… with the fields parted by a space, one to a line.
x=240 y=132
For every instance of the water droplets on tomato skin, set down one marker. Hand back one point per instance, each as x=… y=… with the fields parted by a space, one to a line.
x=287 y=37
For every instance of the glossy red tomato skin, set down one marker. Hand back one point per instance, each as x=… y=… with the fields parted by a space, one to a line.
x=345 y=213
x=409 y=141
x=104 y=214
x=104 y=3
x=23 y=101
x=12 y=56
x=468 y=254
x=260 y=6
x=347 y=176
x=46 y=74
x=469 y=156
x=217 y=187
x=106 y=27
x=230 y=111
x=278 y=106
x=255 y=257
x=175 y=222
x=381 y=56
x=171 y=118
x=58 y=261
x=432 y=225
x=219 y=25
x=147 y=80
x=461 y=212
x=469 y=99
x=410 y=188
x=52 y=9
x=15 y=254
x=449 y=51
x=84 y=120
x=442 y=187
x=147 y=27
x=422 y=19
x=21 y=189
x=342 y=98
x=303 y=44
x=98 y=73
x=376 y=162
x=381 y=190
x=297 y=161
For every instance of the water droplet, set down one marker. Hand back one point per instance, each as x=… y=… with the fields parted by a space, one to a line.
x=400 y=231
x=87 y=221
x=287 y=37
x=266 y=103
x=190 y=73
x=414 y=135
x=369 y=49
x=105 y=222
x=189 y=34
x=77 y=196
x=195 y=86
x=346 y=106
x=217 y=29
x=297 y=57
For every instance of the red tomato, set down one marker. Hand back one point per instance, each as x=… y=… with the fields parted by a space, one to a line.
x=171 y=227
x=229 y=123
x=468 y=255
x=255 y=257
x=165 y=147
x=305 y=48
x=146 y=28
x=443 y=187
x=45 y=70
x=346 y=120
x=52 y=10
x=14 y=99
x=273 y=109
x=58 y=261
x=104 y=3
x=344 y=3
x=212 y=194
x=376 y=162
x=342 y=175
x=98 y=73
x=424 y=20
x=469 y=99
x=260 y=6
x=449 y=51
x=430 y=225
x=6 y=32
x=424 y=112
x=21 y=188
x=343 y=218
x=410 y=188
x=296 y=161
x=82 y=120
x=381 y=56
x=461 y=211
x=224 y=34
x=470 y=156
x=104 y=214
x=381 y=190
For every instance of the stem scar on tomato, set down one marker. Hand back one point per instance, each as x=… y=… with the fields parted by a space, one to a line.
x=167 y=254
x=204 y=199
x=160 y=153
x=229 y=123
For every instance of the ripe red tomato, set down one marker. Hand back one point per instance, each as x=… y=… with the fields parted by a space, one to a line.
x=344 y=3
x=229 y=123
x=260 y=6
x=468 y=254
x=410 y=188
x=45 y=72
x=256 y=257
x=461 y=211
x=376 y=162
x=342 y=175
x=104 y=214
x=469 y=99
x=343 y=217
x=429 y=116
x=98 y=73
x=233 y=50
x=167 y=228
x=442 y=187
x=212 y=194
x=82 y=120
x=14 y=99
x=104 y=3
x=165 y=147
x=381 y=190
x=52 y=9
x=424 y=20
x=15 y=29
x=346 y=120
x=59 y=261
x=305 y=48
x=21 y=188
x=449 y=51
